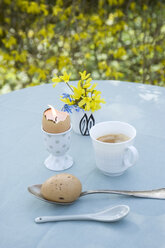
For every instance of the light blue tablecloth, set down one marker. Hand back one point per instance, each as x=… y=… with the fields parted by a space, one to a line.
x=22 y=153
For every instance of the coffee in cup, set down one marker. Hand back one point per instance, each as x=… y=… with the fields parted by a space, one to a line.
x=114 y=138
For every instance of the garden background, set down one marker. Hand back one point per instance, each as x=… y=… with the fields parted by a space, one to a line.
x=111 y=39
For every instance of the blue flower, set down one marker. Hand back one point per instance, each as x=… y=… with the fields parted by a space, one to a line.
x=67 y=108
x=77 y=108
x=64 y=95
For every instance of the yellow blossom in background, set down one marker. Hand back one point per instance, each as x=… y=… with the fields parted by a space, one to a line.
x=9 y=42
x=145 y=7
x=113 y=39
x=76 y=37
x=132 y=5
x=87 y=55
x=119 y=53
x=83 y=75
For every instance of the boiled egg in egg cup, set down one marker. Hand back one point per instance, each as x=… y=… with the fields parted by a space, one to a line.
x=56 y=128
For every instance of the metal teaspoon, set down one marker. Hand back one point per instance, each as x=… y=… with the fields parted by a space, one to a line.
x=154 y=194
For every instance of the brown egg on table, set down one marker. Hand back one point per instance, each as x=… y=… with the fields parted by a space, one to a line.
x=61 y=188
x=55 y=121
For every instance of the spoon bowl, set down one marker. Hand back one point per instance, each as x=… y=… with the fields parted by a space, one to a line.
x=112 y=214
x=35 y=190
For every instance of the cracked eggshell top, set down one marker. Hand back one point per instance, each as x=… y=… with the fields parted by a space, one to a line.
x=58 y=124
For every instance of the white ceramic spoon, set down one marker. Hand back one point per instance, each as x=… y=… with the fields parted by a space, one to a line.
x=108 y=215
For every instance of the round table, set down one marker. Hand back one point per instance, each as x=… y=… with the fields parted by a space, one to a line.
x=22 y=156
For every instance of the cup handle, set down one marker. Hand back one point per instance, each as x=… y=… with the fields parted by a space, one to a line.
x=134 y=156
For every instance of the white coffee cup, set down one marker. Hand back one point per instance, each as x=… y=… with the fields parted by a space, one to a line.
x=113 y=159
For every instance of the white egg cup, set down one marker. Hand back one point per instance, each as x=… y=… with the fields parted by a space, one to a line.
x=57 y=144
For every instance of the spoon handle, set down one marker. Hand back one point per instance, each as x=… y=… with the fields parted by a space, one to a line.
x=155 y=194
x=43 y=219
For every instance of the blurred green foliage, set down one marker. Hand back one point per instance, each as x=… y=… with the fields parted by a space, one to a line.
x=111 y=39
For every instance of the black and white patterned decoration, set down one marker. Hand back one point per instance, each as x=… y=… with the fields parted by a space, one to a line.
x=86 y=124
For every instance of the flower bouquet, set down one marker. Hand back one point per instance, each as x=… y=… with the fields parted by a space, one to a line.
x=82 y=101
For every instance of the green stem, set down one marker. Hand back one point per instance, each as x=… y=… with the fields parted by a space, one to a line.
x=70 y=87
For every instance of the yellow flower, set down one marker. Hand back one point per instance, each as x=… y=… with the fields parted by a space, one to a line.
x=54 y=85
x=67 y=101
x=93 y=87
x=87 y=106
x=84 y=95
x=55 y=80
x=84 y=76
x=65 y=77
x=98 y=99
x=96 y=93
x=95 y=106
x=79 y=91
x=87 y=83
x=82 y=102
x=85 y=101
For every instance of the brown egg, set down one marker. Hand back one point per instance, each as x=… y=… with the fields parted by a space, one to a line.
x=61 y=188
x=57 y=122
